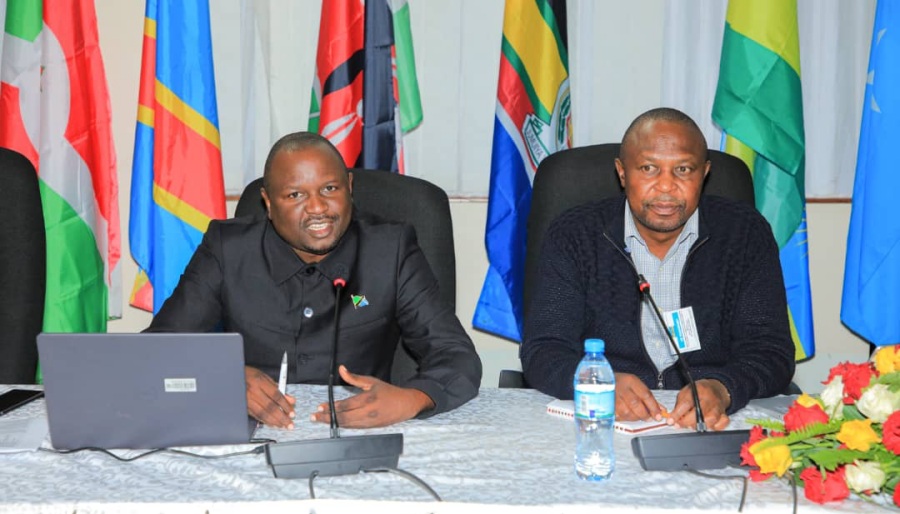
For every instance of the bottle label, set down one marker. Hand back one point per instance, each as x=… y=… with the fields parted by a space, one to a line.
x=593 y=401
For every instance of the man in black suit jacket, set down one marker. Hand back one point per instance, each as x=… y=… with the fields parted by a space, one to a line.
x=272 y=281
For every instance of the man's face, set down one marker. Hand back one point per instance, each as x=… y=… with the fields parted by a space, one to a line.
x=308 y=200
x=662 y=170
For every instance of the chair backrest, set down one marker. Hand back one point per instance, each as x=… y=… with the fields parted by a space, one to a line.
x=579 y=175
x=395 y=197
x=23 y=268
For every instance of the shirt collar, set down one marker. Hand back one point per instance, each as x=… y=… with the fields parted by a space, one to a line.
x=284 y=263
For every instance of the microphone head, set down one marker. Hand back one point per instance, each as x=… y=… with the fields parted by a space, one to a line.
x=339 y=282
x=643 y=285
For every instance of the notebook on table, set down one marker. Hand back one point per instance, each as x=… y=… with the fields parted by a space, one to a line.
x=566 y=409
x=143 y=391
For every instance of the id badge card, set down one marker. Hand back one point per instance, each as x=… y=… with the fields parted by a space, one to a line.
x=683 y=328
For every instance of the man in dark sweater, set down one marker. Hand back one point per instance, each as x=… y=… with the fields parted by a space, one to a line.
x=714 y=259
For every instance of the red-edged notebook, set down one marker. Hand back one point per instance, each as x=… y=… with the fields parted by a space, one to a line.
x=566 y=409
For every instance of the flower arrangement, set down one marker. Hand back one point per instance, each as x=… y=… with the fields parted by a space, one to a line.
x=847 y=439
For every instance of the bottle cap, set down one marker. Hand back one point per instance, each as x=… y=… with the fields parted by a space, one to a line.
x=594 y=345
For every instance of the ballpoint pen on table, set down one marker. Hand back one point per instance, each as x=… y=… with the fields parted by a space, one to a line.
x=282 y=377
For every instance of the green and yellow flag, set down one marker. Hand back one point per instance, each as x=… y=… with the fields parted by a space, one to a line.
x=759 y=107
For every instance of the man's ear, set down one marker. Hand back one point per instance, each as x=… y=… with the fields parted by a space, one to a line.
x=620 y=170
x=706 y=171
x=265 y=198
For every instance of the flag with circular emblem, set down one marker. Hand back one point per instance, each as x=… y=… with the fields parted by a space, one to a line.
x=533 y=119
x=55 y=110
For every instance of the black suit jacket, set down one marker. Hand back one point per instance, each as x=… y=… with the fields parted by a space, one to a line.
x=244 y=278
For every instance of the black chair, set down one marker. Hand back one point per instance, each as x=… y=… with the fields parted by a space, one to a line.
x=23 y=268
x=395 y=197
x=579 y=175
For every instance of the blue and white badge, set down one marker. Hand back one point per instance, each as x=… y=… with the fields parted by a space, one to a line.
x=684 y=329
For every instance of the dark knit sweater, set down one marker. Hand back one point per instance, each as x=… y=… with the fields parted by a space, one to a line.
x=587 y=288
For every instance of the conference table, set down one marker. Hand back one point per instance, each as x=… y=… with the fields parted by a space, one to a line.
x=501 y=452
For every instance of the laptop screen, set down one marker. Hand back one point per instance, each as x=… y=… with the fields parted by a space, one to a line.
x=142 y=391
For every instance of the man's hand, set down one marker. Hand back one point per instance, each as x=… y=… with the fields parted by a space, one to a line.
x=265 y=402
x=714 y=400
x=378 y=405
x=634 y=401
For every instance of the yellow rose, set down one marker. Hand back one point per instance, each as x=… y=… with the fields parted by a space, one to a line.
x=773 y=459
x=858 y=434
x=887 y=359
x=807 y=401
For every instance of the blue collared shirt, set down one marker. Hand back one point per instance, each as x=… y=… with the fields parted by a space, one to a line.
x=664 y=277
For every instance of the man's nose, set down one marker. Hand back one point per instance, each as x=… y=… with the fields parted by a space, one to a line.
x=666 y=180
x=316 y=204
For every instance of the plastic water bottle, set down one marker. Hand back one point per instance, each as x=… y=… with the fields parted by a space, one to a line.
x=595 y=408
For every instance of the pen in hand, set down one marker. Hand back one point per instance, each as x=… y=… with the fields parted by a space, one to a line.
x=282 y=377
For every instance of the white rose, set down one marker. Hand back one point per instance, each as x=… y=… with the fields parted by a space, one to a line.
x=833 y=398
x=864 y=476
x=878 y=402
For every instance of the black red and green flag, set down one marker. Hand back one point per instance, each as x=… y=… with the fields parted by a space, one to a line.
x=365 y=93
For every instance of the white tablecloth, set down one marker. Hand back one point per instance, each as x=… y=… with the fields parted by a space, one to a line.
x=500 y=450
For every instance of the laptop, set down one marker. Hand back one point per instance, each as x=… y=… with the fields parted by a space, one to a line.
x=143 y=391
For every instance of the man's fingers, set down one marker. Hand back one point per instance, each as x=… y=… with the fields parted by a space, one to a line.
x=265 y=402
x=682 y=414
x=636 y=407
x=363 y=382
x=358 y=401
x=350 y=411
x=269 y=412
x=713 y=400
x=722 y=423
x=634 y=401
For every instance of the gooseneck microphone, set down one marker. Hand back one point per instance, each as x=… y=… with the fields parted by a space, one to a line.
x=337 y=455
x=339 y=284
x=697 y=450
x=644 y=288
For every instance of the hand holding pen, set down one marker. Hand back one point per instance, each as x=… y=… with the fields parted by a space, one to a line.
x=265 y=402
x=282 y=376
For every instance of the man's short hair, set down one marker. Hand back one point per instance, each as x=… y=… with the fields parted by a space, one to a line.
x=299 y=141
x=660 y=114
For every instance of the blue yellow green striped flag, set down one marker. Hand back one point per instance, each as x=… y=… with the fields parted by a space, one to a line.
x=759 y=107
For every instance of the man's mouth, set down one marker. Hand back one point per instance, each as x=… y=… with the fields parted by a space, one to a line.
x=319 y=227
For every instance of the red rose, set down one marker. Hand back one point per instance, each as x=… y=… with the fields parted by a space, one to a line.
x=756 y=435
x=832 y=488
x=890 y=433
x=757 y=476
x=855 y=377
x=838 y=369
x=798 y=416
x=897 y=496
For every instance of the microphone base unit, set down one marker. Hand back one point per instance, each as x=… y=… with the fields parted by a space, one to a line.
x=696 y=450
x=334 y=457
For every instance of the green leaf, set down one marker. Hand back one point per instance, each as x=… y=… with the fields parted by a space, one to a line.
x=831 y=458
x=892 y=380
x=768 y=424
x=809 y=432
x=851 y=413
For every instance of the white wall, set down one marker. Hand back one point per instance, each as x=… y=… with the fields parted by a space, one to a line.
x=627 y=44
